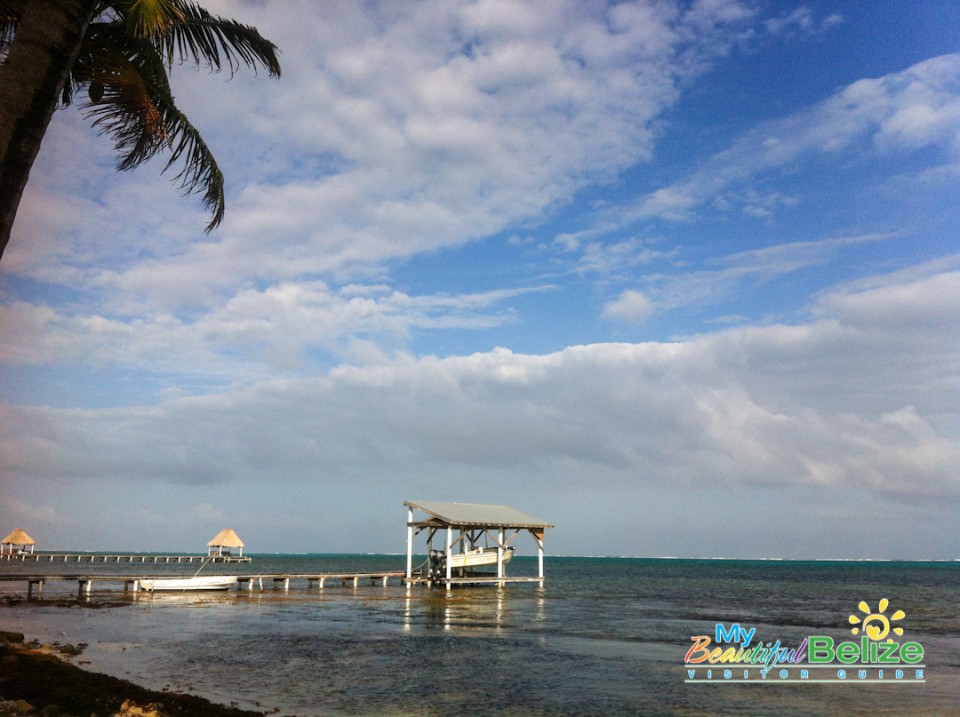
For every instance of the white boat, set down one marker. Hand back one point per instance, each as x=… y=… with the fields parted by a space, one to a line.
x=209 y=582
x=478 y=557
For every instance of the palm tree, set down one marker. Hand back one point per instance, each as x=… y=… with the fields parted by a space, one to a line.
x=119 y=53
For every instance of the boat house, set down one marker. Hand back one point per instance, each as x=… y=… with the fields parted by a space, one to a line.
x=17 y=542
x=222 y=545
x=474 y=535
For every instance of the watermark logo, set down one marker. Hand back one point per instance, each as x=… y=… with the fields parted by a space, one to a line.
x=876 y=624
x=737 y=653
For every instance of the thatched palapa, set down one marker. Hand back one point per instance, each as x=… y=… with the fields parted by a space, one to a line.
x=17 y=541
x=225 y=540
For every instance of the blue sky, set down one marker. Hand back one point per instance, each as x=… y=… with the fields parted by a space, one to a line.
x=680 y=277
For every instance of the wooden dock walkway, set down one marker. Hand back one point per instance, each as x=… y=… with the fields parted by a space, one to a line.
x=256 y=581
x=281 y=581
x=119 y=558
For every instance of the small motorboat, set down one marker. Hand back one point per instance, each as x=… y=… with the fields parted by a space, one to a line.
x=472 y=558
x=208 y=582
x=479 y=556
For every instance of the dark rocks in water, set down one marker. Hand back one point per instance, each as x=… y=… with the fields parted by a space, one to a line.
x=53 y=686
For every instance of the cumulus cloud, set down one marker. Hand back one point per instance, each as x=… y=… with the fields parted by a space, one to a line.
x=858 y=399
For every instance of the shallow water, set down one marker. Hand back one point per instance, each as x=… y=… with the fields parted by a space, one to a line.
x=603 y=637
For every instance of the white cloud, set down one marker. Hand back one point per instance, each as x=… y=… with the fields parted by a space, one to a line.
x=611 y=259
x=728 y=276
x=861 y=390
x=631 y=306
x=755 y=203
x=252 y=333
x=802 y=22
x=916 y=108
x=259 y=331
x=903 y=306
x=396 y=129
x=855 y=408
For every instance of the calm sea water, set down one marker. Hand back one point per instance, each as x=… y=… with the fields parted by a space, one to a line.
x=603 y=637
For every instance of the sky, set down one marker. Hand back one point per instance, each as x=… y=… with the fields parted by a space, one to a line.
x=682 y=278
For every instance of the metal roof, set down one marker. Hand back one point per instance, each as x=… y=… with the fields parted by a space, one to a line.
x=477 y=514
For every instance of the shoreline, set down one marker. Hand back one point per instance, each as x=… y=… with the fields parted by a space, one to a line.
x=41 y=681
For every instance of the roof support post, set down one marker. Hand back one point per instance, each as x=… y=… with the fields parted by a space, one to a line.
x=449 y=560
x=500 y=553
x=409 y=542
x=538 y=536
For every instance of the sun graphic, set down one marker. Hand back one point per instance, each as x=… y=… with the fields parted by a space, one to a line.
x=876 y=625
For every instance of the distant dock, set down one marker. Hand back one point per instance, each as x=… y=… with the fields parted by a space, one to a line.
x=119 y=558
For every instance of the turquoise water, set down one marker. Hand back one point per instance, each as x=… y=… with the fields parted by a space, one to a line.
x=605 y=636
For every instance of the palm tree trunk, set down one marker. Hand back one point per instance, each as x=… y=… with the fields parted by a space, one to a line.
x=44 y=49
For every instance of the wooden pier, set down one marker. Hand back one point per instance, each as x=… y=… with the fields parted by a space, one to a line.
x=280 y=581
x=277 y=581
x=314 y=581
x=119 y=558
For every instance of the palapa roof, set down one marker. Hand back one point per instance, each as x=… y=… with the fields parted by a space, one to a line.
x=226 y=538
x=18 y=537
x=475 y=515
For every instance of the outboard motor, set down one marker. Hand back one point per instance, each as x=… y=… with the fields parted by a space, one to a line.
x=436 y=565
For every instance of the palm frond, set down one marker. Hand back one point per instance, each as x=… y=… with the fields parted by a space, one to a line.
x=124 y=108
x=216 y=42
x=200 y=172
x=7 y=31
x=146 y=18
x=123 y=67
x=134 y=105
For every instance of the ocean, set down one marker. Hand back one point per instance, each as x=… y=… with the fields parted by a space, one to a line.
x=604 y=636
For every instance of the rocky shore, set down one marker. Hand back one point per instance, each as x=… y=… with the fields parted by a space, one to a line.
x=37 y=680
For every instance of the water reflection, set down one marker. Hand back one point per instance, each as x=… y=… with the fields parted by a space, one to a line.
x=471 y=610
x=609 y=642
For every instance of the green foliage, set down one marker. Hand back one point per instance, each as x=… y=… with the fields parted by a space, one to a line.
x=123 y=67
